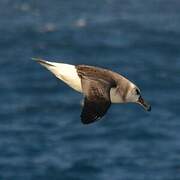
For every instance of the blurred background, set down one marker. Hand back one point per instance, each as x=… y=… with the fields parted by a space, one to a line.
x=41 y=136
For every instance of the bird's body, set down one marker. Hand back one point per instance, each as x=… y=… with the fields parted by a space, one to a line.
x=101 y=87
x=69 y=74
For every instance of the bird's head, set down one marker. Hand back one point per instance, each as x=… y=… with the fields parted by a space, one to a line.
x=134 y=95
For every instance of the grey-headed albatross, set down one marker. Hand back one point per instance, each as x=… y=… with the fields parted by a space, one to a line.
x=100 y=87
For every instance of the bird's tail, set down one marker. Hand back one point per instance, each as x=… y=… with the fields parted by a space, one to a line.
x=54 y=67
x=43 y=62
x=64 y=72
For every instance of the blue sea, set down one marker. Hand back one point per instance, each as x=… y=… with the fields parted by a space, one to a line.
x=41 y=135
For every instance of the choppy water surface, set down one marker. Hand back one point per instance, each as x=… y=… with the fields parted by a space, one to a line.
x=41 y=136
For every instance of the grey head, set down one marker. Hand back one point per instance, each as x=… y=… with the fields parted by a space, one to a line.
x=134 y=96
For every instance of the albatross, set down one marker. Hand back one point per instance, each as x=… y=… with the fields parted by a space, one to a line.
x=100 y=88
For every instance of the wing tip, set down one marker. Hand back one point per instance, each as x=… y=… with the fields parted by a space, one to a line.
x=88 y=119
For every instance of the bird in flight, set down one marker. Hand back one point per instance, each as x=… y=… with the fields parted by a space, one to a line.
x=100 y=88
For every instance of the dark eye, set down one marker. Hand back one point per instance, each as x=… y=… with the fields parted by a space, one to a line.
x=137 y=92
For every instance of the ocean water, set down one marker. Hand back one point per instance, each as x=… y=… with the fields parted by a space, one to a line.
x=41 y=136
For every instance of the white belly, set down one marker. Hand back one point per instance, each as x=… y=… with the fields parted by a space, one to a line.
x=66 y=73
x=69 y=76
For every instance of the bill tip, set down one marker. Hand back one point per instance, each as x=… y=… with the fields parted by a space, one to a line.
x=149 y=108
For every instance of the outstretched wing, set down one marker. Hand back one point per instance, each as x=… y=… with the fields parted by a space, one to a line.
x=97 y=99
